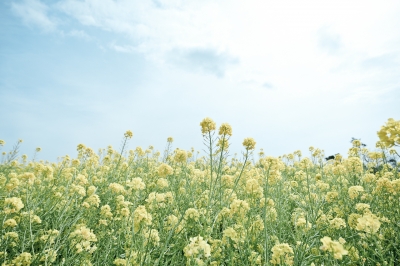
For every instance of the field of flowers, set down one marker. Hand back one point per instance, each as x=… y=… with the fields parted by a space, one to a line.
x=142 y=207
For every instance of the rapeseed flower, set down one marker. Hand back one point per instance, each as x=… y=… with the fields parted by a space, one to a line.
x=141 y=217
x=198 y=248
x=136 y=184
x=354 y=191
x=207 y=125
x=225 y=129
x=25 y=258
x=117 y=188
x=10 y=223
x=389 y=134
x=249 y=144
x=165 y=170
x=368 y=223
x=192 y=214
x=180 y=156
x=335 y=247
x=128 y=134
x=12 y=205
x=282 y=253
x=152 y=237
x=337 y=223
x=239 y=207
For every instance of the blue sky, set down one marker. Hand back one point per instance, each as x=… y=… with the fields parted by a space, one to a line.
x=290 y=74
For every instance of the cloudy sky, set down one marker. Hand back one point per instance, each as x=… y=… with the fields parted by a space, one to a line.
x=290 y=74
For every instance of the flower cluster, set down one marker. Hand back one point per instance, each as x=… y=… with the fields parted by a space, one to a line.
x=139 y=208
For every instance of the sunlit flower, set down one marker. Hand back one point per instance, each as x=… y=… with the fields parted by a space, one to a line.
x=198 y=248
x=12 y=205
x=192 y=214
x=225 y=129
x=335 y=247
x=152 y=237
x=282 y=253
x=117 y=188
x=180 y=156
x=165 y=170
x=128 y=134
x=25 y=258
x=354 y=191
x=368 y=223
x=337 y=223
x=136 y=183
x=207 y=125
x=141 y=217
x=249 y=144
x=10 y=223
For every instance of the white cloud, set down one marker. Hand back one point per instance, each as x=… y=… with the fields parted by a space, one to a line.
x=206 y=60
x=79 y=34
x=280 y=68
x=34 y=12
x=124 y=48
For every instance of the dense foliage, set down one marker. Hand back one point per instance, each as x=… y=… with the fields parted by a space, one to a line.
x=140 y=207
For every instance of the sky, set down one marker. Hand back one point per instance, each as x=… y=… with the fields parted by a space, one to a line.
x=290 y=74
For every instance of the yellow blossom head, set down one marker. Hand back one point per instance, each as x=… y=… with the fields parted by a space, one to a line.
x=207 y=125
x=225 y=129
x=128 y=134
x=165 y=170
x=249 y=144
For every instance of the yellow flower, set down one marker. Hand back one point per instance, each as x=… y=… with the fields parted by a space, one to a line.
x=303 y=223
x=93 y=200
x=24 y=258
x=152 y=237
x=334 y=247
x=362 y=207
x=165 y=170
x=120 y=262
x=331 y=196
x=180 y=156
x=192 y=213
x=13 y=235
x=230 y=233
x=249 y=144
x=225 y=129
x=170 y=139
x=117 y=188
x=207 y=125
x=141 y=217
x=105 y=211
x=282 y=253
x=389 y=134
x=128 y=134
x=252 y=186
x=10 y=223
x=354 y=191
x=2 y=142
x=162 y=183
x=136 y=183
x=368 y=223
x=28 y=177
x=198 y=248
x=337 y=223
x=49 y=256
x=16 y=205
